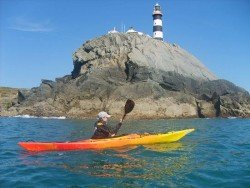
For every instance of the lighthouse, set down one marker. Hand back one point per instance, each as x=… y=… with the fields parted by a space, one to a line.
x=157 y=23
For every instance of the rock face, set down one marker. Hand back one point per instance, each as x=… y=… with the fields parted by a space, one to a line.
x=140 y=53
x=8 y=96
x=164 y=80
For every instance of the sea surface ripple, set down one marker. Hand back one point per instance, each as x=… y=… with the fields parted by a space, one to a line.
x=216 y=154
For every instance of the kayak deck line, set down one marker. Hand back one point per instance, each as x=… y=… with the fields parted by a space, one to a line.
x=120 y=141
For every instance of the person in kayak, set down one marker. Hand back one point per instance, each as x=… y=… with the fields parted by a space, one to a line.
x=101 y=128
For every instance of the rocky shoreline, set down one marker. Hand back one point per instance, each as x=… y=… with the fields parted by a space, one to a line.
x=164 y=80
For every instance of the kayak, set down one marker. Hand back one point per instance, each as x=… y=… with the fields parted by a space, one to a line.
x=128 y=140
x=115 y=142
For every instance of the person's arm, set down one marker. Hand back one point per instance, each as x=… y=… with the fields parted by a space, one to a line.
x=111 y=132
x=118 y=126
x=106 y=130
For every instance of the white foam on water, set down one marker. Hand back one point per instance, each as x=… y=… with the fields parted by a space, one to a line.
x=29 y=116
x=25 y=116
x=60 y=117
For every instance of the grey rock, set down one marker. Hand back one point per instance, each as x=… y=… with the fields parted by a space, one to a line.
x=121 y=49
x=164 y=80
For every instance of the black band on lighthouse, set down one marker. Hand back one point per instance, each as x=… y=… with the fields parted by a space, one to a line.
x=157 y=28
x=157 y=16
x=158 y=38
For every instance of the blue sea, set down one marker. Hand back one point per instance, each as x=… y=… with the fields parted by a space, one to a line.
x=216 y=154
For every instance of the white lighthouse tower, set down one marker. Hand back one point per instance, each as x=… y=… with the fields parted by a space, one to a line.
x=157 y=25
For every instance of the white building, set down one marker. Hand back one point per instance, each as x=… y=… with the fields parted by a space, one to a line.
x=113 y=31
x=131 y=30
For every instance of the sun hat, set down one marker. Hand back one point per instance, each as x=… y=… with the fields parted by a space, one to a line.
x=102 y=115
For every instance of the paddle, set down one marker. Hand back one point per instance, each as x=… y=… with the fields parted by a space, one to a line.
x=129 y=106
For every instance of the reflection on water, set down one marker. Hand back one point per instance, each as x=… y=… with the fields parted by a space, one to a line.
x=124 y=149
x=164 y=147
x=142 y=162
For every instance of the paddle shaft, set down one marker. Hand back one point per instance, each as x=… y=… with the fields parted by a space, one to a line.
x=123 y=117
x=129 y=106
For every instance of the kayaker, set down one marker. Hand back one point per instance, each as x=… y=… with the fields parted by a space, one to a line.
x=101 y=128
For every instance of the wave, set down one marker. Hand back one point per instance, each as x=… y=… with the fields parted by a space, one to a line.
x=25 y=116
x=42 y=117
x=60 y=117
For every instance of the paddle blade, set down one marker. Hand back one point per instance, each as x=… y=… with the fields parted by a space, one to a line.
x=129 y=106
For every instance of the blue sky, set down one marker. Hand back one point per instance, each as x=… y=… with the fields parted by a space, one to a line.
x=38 y=37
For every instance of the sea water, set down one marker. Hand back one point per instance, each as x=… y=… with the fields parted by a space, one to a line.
x=216 y=154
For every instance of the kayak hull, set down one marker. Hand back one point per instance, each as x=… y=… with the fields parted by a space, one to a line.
x=95 y=144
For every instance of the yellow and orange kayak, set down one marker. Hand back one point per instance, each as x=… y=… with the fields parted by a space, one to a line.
x=93 y=144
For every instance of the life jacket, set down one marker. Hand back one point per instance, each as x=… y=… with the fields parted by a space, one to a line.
x=101 y=130
x=99 y=124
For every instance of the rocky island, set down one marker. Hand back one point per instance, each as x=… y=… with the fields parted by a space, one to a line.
x=164 y=80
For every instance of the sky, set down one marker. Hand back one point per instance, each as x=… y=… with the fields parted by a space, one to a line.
x=38 y=37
